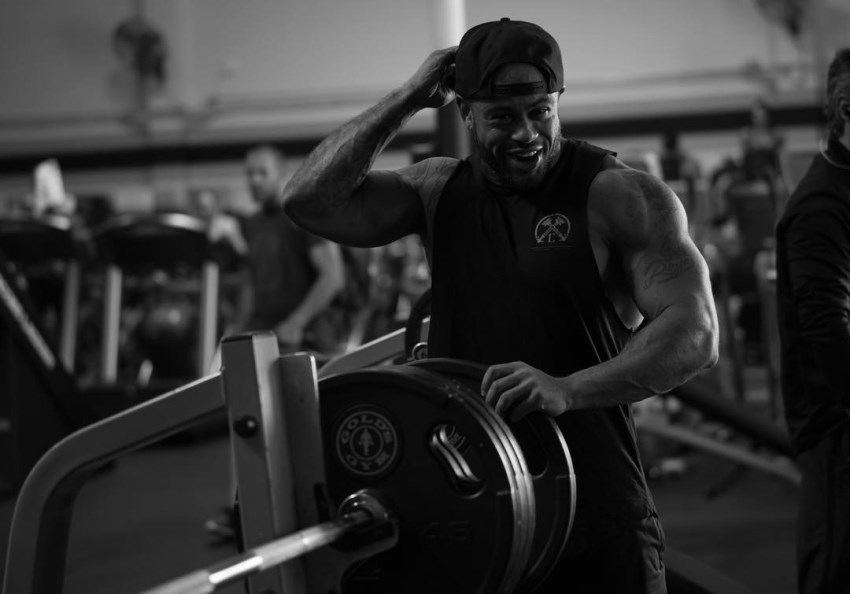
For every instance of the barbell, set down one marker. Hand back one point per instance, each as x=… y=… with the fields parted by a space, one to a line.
x=358 y=511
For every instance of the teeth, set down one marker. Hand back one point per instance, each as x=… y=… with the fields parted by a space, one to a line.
x=525 y=155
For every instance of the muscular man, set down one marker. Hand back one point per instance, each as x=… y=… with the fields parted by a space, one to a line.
x=813 y=282
x=572 y=276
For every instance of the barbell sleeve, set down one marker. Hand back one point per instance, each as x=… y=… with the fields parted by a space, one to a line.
x=266 y=556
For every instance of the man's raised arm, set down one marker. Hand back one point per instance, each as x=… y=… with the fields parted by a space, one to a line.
x=334 y=194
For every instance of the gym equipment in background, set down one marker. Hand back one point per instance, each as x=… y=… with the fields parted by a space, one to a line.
x=176 y=245
x=45 y=246
x=39 y=402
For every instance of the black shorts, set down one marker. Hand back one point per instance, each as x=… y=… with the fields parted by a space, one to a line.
x=628 y=562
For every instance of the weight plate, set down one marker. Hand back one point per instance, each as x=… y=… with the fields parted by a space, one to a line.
x=525 y=513
x=550 y=465
x=437 y=463
x=523 y=549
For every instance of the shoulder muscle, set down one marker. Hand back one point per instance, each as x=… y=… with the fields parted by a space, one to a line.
x=634 y=208
x=644 y=225
x=429 y=177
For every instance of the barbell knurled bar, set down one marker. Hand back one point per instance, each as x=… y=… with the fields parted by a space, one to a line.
x=360 y=510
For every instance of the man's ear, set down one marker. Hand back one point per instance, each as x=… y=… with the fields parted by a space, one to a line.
x=465 y=110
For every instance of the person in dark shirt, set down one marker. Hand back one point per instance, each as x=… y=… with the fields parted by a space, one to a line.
x=295 y=275
x=676 y=163
x=760 y=145
x=813 y=287
x=547 y=255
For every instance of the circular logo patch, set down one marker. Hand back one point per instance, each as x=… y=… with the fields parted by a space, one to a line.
x=553 y=228
x=367 y=443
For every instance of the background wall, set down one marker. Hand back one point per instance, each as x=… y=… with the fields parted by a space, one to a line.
x=290 y=70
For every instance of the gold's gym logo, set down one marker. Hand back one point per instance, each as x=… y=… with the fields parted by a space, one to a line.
x=552 y=229
x=366 y=443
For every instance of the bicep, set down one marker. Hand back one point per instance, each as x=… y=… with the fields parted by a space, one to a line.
x=668 y=270
x=409 y=197
x=385 y=206
x=649 y=231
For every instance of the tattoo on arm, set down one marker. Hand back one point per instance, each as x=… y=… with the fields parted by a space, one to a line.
x=340 y=163
x=673 y=260
x=656 y=202
x=349 y=162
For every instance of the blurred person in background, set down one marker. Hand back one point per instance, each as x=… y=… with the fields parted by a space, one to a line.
x=676 y=163
x=761 y=145
x=224 y=228
x=294 y=275
x=681 y=171
x=813 y=282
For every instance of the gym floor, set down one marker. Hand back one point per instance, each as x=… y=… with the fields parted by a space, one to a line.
x=140 y=522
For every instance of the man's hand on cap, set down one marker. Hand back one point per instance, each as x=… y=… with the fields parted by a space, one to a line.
x=433 y=83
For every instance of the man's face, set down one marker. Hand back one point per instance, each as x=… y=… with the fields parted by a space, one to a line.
x=263 y=172
x=518 y=138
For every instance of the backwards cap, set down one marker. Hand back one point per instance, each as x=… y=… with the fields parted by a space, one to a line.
x=487 y=47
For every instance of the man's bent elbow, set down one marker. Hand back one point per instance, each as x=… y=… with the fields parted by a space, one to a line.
x=293 y=201
x=712 y=352
x=306 y=210
x=698 y=351
x=706 y=350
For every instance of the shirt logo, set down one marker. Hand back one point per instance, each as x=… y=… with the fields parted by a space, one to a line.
x=552 y=229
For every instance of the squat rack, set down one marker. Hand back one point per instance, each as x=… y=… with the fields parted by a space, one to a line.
x=271 y=501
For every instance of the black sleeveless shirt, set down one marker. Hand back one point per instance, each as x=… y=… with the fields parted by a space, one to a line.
x=514 y=279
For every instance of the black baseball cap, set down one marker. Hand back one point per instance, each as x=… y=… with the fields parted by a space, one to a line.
x=487 y=47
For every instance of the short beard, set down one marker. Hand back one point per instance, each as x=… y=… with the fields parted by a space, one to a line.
x=494 y=171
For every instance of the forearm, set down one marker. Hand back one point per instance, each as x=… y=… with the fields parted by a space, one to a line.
x=661 y=356
x=338 y=165
x=334 y=193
